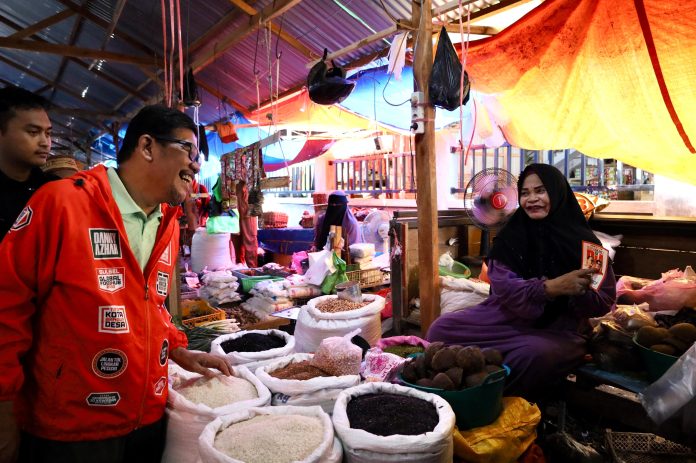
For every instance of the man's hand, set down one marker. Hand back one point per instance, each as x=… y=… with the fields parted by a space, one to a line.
x=573 y=283
x=9 y=434
x=200 y=362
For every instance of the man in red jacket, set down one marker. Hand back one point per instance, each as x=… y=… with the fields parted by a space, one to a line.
x=84 y=333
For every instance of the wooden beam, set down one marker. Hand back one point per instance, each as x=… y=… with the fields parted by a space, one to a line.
x=41 y=25
x=78 y=52
x=245 y=7
x=388 y=32
x=267 y=14
x=77 y=27
x=449 y=6
x=426 y=199
x=87 y=114
x=476 y=30
x=498 y=8
x=102 y=75
x=222 y=97
x=105 y=25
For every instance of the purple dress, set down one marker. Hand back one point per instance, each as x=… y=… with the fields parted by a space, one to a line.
x=537 y=357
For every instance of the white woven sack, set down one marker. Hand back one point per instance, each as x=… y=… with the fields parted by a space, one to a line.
x=212 y=251
x=296 y=386
x=314 y=325
x=360 y=446
x=325 y=399
x=253 y=360
x=326 y=452
x=186 y=420
x=375 y=305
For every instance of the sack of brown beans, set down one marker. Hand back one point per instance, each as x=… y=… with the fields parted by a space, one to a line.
x=271 y=435
x=382 y=423
x=253 y=348
x=327 y=316
x=296 y=380
x=194 y=401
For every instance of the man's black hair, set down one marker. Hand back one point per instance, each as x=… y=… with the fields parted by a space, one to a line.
x=155 y=120
x=14 y=98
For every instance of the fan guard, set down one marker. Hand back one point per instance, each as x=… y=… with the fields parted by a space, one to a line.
x=490 y=198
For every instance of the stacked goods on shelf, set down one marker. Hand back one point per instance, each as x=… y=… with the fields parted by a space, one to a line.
x=195 y=401
x=271 y=435
x=328 y=316
x=219 y=287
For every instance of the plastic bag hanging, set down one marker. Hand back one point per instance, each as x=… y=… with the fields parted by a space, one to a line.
x=326 y=85
x=190 y=90
x=446 y=74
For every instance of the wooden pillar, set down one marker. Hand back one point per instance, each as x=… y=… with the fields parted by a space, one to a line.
x=428 y=284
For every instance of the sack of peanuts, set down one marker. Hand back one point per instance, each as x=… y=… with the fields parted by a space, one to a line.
x=328 y=316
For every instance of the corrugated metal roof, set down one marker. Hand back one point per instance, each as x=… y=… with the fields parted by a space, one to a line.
x=91 y=85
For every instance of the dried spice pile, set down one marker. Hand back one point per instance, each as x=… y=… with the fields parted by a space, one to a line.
x=271 y=438
x=252 y=342
x=338 y=305
x=386 y=414
x=242 y=316
x=403 y=350
x=300 y=370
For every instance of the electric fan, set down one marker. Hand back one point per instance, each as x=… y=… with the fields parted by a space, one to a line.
x=375 y=229
x=490 y=198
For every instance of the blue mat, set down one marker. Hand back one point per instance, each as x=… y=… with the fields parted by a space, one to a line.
x=633 y=382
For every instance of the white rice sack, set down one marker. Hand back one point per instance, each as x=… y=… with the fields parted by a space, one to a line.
x=253 y=360
x=270 y=435
x=461 y=293
x=186 y=419
x=360 y=446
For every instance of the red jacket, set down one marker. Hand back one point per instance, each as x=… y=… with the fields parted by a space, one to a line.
x=84 y=334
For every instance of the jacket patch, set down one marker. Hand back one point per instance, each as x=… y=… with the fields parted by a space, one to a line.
x=103 y=399
x=106 y=244
x=165 y=258
x=109 y=363
x=23 y=219
x=162 y=283
x=112 y=319
x=160 y=385
x=111 y=279
x=164 y=352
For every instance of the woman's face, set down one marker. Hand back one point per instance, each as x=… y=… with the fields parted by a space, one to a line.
x=534 y=198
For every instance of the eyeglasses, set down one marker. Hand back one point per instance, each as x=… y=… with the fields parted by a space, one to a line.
x=193 y=154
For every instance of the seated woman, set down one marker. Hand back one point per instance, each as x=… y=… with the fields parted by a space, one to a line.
x=337 y=213
x=539 y=298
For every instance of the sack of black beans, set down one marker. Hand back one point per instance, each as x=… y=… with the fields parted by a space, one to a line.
x=195 y=401
x=295 y=380
x=271 y=435
x=383 y=422
x=328 y=316
x=253 y=348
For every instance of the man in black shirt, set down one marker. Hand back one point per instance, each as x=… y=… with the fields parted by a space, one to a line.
x=25 y=142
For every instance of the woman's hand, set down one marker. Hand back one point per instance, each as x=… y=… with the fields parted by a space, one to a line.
x=573 y=283
x=199 y=362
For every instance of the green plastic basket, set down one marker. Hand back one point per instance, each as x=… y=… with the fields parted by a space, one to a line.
x=655 y=363
x=458 y=270
x=248 y=283
x=474 y=406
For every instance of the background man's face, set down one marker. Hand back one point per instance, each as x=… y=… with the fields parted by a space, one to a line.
x=27 y=138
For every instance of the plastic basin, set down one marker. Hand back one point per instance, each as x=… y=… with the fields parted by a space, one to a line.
x=655 y=363
x=458 y=270
x=474 y=406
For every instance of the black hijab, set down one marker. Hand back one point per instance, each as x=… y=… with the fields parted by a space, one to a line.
x=548 y=247
x=335 y=211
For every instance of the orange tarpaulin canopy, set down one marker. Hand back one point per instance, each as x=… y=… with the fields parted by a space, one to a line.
x=610 y=78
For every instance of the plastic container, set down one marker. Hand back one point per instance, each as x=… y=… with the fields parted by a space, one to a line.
x=474 y=406
x=655 y=363
x=458 y=270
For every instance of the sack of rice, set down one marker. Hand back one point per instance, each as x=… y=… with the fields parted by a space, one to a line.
x=253 y=348
x=403 y=424
x=194 y=401
x=271 y=435
x=294 y=380
x=325 y=316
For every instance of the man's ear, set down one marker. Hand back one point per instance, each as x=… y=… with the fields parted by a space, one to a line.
x=145 y=147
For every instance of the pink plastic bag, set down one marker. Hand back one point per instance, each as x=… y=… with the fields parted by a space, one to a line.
x=380 y=366
x=402 y=341
x=297 y=258
x=676 y=289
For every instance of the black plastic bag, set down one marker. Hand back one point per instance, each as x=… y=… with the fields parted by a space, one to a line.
x=447 y=72
x=190 y=90
x=326 y=85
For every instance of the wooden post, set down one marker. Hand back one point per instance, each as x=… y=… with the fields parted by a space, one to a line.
x=428 y=284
